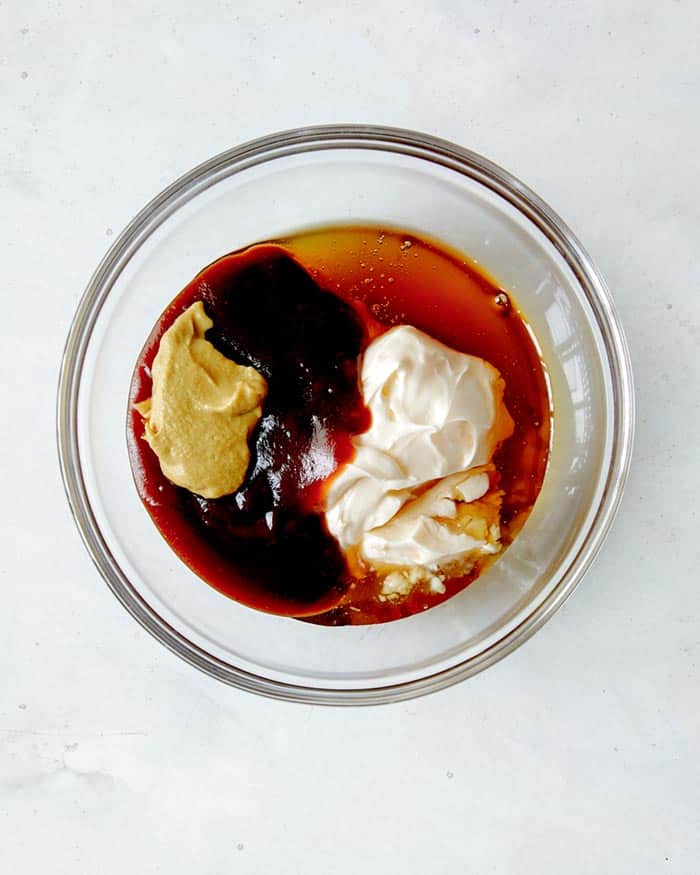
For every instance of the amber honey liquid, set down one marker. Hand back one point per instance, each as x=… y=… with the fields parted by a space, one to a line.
x=389 y=278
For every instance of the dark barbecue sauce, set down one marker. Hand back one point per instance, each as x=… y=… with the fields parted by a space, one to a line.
x=301 y=311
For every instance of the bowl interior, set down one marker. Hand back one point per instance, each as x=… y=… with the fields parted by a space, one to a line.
x=246 y=202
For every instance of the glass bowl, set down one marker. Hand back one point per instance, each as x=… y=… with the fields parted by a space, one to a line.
x=349 y=175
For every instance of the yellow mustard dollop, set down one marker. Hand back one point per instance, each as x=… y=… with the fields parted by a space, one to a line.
x=202 y=410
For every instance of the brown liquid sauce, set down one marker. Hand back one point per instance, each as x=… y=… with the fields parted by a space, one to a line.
x=268 y=547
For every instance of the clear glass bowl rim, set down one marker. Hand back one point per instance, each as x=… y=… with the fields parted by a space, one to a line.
x=297 y=141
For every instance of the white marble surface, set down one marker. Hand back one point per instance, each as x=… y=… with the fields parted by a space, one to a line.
x=580 y=752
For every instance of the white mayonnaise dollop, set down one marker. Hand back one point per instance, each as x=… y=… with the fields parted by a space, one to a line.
x=437 y=414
